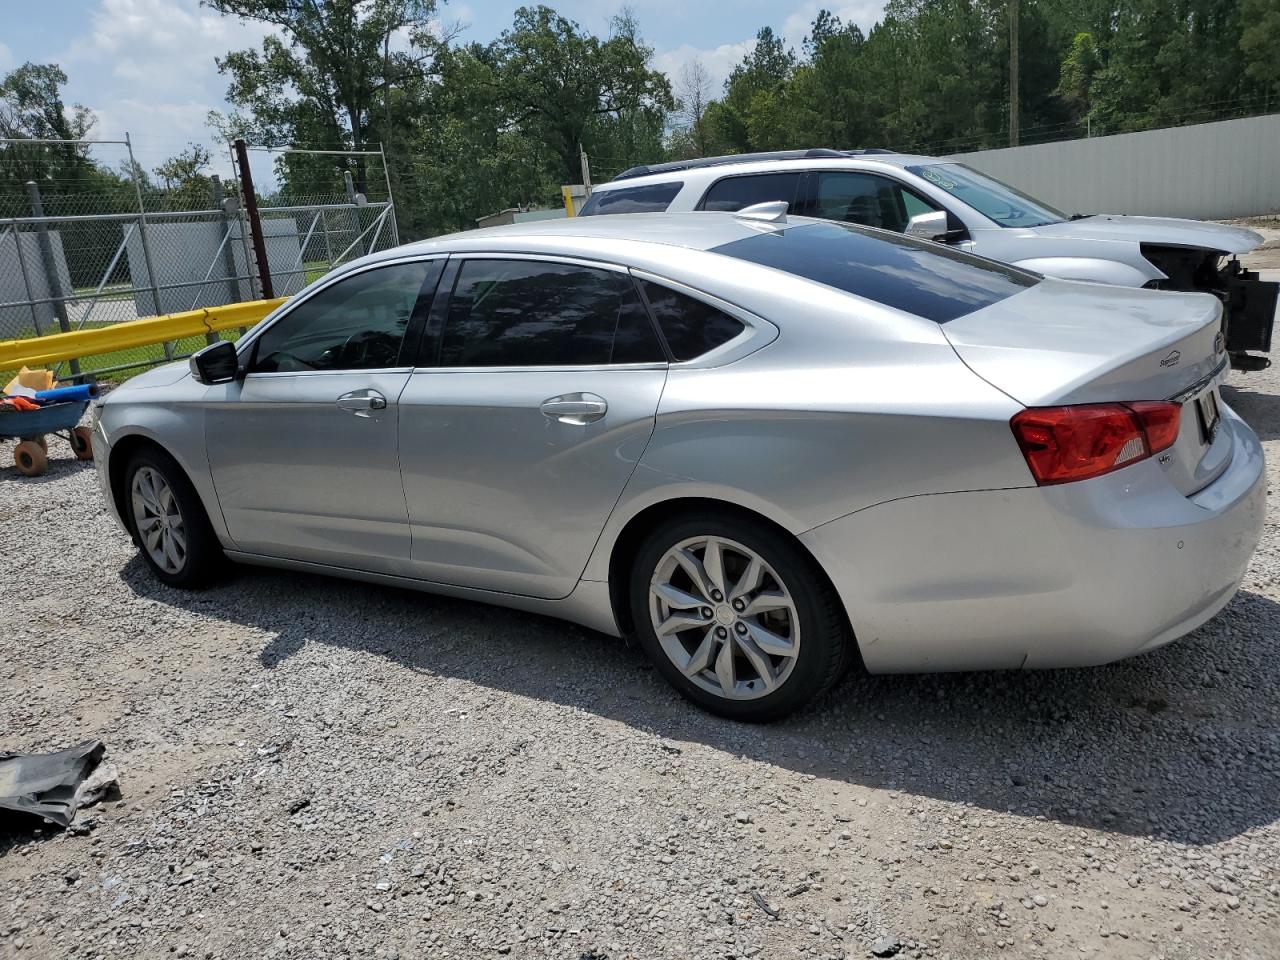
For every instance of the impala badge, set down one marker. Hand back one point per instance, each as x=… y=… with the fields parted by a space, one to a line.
x=1172 y=359
x=1219 y=343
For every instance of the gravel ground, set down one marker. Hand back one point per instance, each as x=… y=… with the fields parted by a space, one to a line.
x=315 y=769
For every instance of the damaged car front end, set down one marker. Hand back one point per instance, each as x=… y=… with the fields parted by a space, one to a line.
x=1249 y=302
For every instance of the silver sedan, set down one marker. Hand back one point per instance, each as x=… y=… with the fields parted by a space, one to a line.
x=765 y=447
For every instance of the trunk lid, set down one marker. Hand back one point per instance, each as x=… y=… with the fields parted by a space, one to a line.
x=1063 y=342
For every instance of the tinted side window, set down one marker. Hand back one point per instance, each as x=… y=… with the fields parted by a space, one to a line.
x=356 y=324
x=734 y=193
x=649 y=198
x=866 y=199
x=691 y=327
x=524 y=313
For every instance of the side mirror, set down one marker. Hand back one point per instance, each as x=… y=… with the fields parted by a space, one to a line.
x=928 y=226
x=216 y=363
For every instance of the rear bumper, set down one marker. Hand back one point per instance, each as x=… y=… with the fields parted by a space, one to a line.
x=1071 y=575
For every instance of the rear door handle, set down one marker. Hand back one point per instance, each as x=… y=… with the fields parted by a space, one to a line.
x=575 y=408
x=362 y=402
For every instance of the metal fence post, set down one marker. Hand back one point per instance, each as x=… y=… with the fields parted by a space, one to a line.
x=386 y=175
x=228 y=255
x=26 y=282
x=355 y=208
x=153 y=281
x=250 y=201
x=52 y=276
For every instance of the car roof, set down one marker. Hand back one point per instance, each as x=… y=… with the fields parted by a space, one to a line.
x=715 y=171
x=576 y=235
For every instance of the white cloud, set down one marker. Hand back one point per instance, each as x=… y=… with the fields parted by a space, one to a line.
x=147 y=67
x=718 y=61
x=6 y=57
x=865 y=14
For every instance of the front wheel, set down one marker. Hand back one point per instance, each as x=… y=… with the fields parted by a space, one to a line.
x=737 y=617
x=168 y=521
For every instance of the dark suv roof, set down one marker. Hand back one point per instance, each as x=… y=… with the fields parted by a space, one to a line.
x=645 y=170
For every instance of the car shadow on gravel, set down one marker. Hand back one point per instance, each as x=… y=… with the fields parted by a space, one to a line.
x=60 y=467
x=1180 y=743
x=1260 y=410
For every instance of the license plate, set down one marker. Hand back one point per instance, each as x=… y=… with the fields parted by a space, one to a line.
x=1207 y=406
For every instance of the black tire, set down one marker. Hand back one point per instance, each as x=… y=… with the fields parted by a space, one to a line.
x=204 y=561
x=826 y=647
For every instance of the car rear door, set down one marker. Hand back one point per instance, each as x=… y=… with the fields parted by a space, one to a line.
x=533 y=400
x=303 y=447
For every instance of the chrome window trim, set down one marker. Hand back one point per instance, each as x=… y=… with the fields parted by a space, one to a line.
x=573 y=261
x=324 y=283
x=275 y=374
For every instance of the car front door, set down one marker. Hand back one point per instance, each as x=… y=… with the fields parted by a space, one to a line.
x=533 y=402
x=871 y=200
x=303 y=447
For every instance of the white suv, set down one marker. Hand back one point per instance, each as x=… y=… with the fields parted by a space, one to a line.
x=942 y=200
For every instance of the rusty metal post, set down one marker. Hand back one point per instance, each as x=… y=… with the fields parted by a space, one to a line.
x=250 y=200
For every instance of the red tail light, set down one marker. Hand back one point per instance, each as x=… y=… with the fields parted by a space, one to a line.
x=1086 y=440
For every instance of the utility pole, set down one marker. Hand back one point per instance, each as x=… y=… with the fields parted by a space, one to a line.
x=1013 y=73
x=255 y=222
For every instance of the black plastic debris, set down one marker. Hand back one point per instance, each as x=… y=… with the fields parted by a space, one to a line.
x=55 y=785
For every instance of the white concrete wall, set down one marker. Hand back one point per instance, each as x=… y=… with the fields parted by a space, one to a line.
x=1207 y=171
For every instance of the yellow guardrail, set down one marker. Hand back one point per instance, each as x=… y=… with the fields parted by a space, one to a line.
x=41 y=351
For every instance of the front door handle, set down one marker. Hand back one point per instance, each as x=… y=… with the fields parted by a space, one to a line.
x=575 y=408
x=362 y=402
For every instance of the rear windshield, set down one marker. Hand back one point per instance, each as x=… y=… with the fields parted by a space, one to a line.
x=649 y=198
x=927 y=279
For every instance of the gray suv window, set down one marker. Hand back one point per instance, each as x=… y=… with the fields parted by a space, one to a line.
x=358 y=323
x=867 y=199
x=734 y=193
x=648 y=198
x=527 y=313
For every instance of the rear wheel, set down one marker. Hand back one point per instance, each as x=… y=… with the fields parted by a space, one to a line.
x=168 y=521
x=737 y=616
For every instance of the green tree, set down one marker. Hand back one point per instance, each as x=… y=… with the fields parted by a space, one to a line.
x=325 y=78
x=32 y=108
x=184 y=178
x=1075 y=83
x=555 y=82
x=1260 y=44
x=751 y=115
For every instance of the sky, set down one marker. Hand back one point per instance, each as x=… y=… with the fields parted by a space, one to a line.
x=147 y=66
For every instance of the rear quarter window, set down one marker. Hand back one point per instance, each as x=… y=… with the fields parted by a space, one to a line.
x=690 y=327
x=648 y=198
x=915 y=276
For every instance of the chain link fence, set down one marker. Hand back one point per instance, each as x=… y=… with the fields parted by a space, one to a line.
x=82 y=259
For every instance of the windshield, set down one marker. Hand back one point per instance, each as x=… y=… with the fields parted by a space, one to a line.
x=995 y=200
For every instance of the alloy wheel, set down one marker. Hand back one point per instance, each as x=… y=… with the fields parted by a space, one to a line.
x=158 y=520
x=724 y=618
